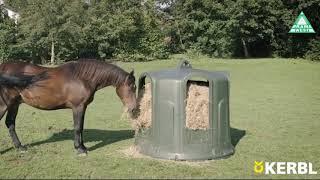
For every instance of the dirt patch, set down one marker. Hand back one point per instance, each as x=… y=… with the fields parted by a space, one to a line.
x=197 y=107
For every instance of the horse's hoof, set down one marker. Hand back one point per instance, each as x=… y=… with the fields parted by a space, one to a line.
x=82 y=154
x=22 y=149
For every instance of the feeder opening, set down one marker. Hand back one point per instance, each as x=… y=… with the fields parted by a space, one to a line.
x=197 y=104
x=144 y=118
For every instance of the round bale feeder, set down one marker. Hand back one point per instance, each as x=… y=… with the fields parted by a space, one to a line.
x=168 y=137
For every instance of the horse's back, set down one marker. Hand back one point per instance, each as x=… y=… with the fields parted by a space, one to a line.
x=21 y=68
x=43 y=94
x=66 y=86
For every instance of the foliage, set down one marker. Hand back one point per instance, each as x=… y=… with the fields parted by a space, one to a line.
x=296 y=45
x=54 y=21
x=257 y=28
x=16 y=5
x=314 y=52
x=126 y=30
x=7 y=36
x=144 y=30
x=201 y=25
x=252 y=26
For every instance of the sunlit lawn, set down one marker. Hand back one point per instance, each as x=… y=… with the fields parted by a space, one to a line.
x=275 y=101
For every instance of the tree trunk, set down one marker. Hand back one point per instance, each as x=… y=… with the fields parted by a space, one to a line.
x=180 y=39
x=181 y=43
x=52 y=52
x=245 y=49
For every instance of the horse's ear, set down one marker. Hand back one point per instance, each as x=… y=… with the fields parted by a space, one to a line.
x=132 y=73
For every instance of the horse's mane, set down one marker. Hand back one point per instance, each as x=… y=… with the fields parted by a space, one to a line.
x=96 y=72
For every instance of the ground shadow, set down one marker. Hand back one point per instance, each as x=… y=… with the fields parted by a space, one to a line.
x=236 y=135
x=6 y=150
x=104 y=137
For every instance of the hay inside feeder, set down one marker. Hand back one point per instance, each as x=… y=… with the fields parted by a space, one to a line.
x=197 y=107
x=143 y=121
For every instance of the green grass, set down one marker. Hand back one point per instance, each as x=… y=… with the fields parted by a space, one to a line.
x=276 y=101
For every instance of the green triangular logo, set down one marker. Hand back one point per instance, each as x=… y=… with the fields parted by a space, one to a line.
x=301 y=25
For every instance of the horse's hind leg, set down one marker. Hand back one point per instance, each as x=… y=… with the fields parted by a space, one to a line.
x=10 y=123
x=3 y=110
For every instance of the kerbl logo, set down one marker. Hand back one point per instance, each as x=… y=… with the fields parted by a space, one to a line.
x=283 y=168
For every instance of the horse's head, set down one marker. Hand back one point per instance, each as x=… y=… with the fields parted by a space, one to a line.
x=127 y=93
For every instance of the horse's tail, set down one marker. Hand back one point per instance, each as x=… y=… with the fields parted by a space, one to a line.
x=39 y=77
x=21 y=80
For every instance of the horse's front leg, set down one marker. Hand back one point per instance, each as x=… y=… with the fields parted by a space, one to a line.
x=78 y=119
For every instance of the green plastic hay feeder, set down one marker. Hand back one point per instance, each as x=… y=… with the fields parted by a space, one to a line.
x=168 y=137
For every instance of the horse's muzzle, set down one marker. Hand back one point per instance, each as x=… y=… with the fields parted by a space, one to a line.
x=133 y=112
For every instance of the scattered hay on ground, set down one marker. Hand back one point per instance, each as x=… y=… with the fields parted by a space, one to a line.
x=132 y=151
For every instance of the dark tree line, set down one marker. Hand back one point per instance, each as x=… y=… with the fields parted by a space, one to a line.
x=141 y=30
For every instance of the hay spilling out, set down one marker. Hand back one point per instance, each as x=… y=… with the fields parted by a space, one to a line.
x=197 y=107
x=132 y=151
x=143 y=121
x=125 y=115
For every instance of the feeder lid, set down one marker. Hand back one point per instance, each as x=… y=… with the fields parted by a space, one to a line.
x=184 y=71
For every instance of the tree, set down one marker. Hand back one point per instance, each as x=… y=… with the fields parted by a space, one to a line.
x=300 y=45
x=252 y=26
x=127 y=30
x=52 y=26
x=201 y=25
x=7 y=35
x=17 y=5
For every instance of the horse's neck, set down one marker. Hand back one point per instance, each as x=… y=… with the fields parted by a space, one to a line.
x=99 y=74
x=114 y=78
x=102 y=84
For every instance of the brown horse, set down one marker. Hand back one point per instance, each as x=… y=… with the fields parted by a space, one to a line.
x=71 y=85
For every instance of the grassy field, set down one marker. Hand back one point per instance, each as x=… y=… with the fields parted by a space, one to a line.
x=275 y=101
